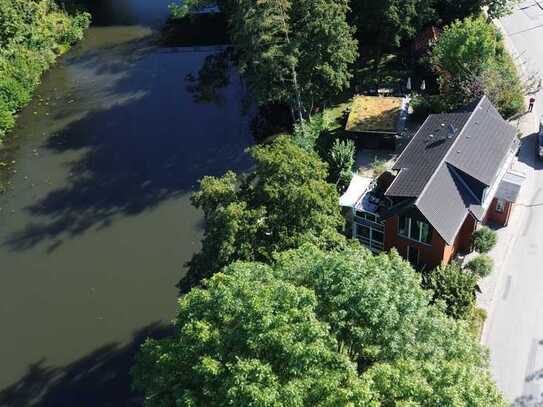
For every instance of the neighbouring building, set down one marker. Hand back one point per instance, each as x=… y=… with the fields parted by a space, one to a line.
x=455 y=173
x=375 y=122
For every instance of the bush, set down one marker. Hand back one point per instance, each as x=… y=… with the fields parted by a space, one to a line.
x=476 y=322
x=423 y=106
x=378 y=167
x=481 y=265
x=484 y=239
x=307 y=133
x=7 y=119
x=32 y=35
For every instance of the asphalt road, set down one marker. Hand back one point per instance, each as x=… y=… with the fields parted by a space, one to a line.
x=515 y=327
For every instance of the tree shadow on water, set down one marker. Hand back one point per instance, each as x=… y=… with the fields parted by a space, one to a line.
x=101 y=378
x=131 y=156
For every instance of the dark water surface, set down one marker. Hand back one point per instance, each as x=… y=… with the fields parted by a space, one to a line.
x=97 y=223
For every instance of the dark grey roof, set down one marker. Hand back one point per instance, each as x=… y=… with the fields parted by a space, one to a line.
x=425 y=153
x=444 y=203
x=448 y=148
x=483 y=144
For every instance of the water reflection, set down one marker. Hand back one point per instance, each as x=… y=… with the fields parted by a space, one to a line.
x=141 y=141
x=97 y=223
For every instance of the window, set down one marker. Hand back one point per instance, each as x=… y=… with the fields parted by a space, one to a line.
x=377 y=236
x=363 y=231
x=413 y=255
x=414 y=229
x=403 y=227
x=368 y=216
x=370 y=237
x=500 y=205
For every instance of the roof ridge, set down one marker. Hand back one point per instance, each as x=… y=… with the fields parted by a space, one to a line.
x=443 y=160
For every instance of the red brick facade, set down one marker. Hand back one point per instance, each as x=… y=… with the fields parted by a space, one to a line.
x=433 y=254
x=500 y=218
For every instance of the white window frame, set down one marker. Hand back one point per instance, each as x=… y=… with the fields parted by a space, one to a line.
x=408 y=235
x=500 y=205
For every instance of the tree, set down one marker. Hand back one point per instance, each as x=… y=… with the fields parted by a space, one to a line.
x=284 y=202
x=465 y=48
x=296 y=52
x=387 y=23
x=450 y=284
x=500 y=8
x=316 y=328
x=470 y=60
x=247 y=339
x=450 y=10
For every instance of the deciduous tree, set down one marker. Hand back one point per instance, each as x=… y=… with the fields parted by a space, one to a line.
x=470 y=60
x=293 y=51
x=455 y=287
x=248 y=339
x=387 y=23
x=316 y=328
x=284 y=202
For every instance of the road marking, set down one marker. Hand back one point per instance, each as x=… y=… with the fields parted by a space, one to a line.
x=507 y=287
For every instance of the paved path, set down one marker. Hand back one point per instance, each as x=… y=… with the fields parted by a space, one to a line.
x=514 y=330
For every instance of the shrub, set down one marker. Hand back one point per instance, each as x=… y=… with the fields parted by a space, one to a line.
x=32 y=35
x=378 y=167
x=423 y=106
x=481 y=265
x=7 y=119
x=484 y=239
x=307 y=133
x=476 y=322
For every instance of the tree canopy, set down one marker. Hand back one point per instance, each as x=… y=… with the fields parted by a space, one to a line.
x=296 y=52
x=389 y=22
x=316 y=328
x=449 y=283
x=470 y=60
x=283 y=203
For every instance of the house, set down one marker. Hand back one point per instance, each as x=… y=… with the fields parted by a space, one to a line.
x=375 y=121
x=455 y=173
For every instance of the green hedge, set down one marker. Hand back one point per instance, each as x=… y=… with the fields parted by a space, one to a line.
x=484 y=239
x=33 y=33
x=481 y=265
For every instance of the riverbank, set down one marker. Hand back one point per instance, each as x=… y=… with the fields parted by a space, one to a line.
x=32 y=36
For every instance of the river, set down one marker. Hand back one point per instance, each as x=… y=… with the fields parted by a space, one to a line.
x=97 y=223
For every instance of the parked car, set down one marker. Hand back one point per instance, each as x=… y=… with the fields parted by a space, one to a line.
x=539 y=150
